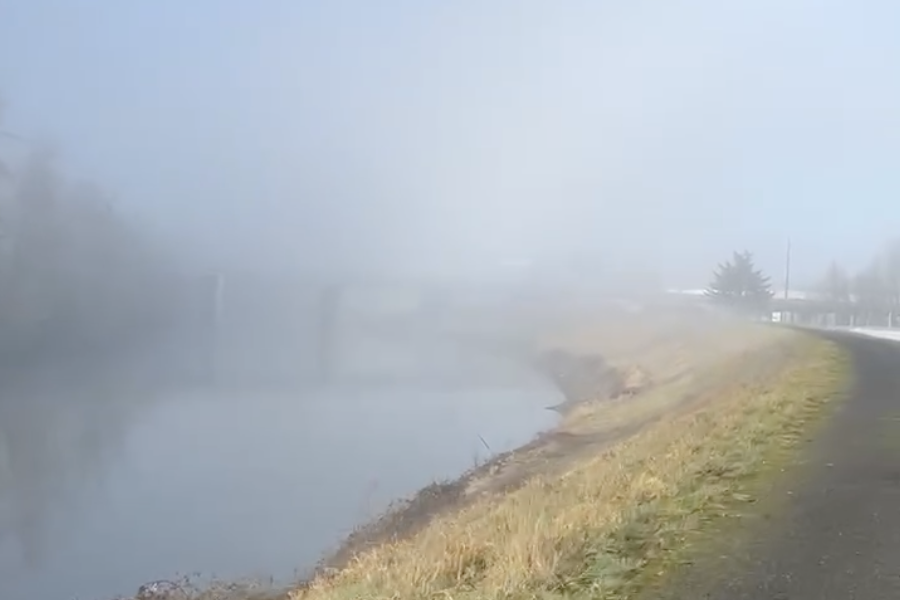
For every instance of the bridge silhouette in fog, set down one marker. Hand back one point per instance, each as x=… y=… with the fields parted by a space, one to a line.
x=304 y=329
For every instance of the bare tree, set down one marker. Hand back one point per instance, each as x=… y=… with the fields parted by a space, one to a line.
x=872 y=295
x=835 y=289
x=835 y=285
x=890 y=273
x=70 y=266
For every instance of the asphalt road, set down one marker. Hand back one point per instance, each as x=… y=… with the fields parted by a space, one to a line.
x=838 y=537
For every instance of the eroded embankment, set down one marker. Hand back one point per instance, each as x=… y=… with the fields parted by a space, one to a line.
x=582 y=379
x=617 y=375
x=590 y=505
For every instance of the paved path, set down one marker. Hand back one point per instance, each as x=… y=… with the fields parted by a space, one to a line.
x=839 y=538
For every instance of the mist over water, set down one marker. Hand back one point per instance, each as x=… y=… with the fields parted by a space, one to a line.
x=379 y=187
x=438 y=139
x=132 y=470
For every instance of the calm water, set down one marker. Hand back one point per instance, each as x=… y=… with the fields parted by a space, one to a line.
x=98 y=495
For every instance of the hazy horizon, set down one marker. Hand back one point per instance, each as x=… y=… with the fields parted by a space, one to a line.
x=445 y=138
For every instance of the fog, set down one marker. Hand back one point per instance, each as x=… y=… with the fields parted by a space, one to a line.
x=232 y=204
x=435 y=137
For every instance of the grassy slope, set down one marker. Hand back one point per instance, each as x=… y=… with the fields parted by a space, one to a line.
x=615 y=521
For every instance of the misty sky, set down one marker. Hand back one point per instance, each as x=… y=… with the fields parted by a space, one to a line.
x=448 y=136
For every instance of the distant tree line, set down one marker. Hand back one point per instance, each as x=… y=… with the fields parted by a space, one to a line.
x=74 y=274
x=870 y=297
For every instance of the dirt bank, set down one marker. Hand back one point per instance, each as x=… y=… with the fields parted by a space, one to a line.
x=610 y=492
x=581 y=378
x=654 y=367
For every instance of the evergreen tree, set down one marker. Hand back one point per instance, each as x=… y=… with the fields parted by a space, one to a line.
x=738 y=284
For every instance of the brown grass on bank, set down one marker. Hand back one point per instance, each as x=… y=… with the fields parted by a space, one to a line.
x=706 y=356
x=597 y=529
x=663 y=344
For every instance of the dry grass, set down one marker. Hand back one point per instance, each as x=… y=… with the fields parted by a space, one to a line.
x=706 y=359
x=599 y=529
x=700 y=353
x=664 y=344
x=743 y=354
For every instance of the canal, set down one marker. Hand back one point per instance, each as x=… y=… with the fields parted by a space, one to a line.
x=113 y=476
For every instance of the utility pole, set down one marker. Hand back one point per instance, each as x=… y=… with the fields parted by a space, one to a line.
x=787 y=282
x=787 y=271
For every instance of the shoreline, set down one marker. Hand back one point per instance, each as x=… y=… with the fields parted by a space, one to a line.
x=619 y=506
x=406 y=516
x=597 y=382
x=617 y=384
x=658 y=365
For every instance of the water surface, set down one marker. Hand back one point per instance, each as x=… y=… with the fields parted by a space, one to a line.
x=100 y=494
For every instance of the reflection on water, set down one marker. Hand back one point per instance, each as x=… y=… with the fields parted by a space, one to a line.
x=103 y=488
x=52 y=453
